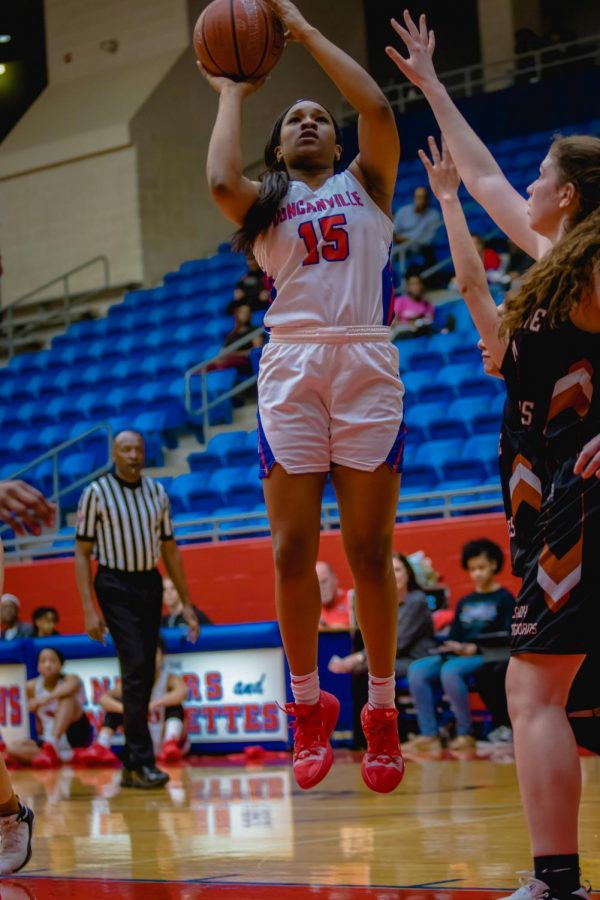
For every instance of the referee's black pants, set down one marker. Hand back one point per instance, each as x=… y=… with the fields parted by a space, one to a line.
x=131 y=603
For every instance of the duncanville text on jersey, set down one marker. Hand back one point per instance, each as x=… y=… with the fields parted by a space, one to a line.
x=302 y=207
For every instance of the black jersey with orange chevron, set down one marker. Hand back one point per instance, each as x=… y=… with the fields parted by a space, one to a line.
x=553 y=408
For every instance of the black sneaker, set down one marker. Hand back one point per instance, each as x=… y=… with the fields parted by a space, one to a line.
x=145 y=777
x=15 y=840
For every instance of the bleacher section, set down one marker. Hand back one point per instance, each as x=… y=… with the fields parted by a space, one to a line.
x=128 y=369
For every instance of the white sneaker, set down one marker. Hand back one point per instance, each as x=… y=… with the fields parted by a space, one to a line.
x=501 y=735
x=15 y=840
x=534 y=889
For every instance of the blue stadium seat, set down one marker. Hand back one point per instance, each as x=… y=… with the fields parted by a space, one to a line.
x=93 y=405
x=23 y=445
x=480 y=386
x=424 y=413
x=486 y=423
x=61 y=409
x=228 y=481
x=73 y=467
x=95 y=444
x=414 y=381
x=445 y=344
x=435 y=453
x=190 y=493
x=437 y=393
x=446 y=429
x=425 y=360
x=468 y=471
x=454 y=375
x=418 y=479
x=467 y=354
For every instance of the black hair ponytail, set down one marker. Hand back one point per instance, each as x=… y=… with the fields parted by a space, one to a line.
x=274 y=184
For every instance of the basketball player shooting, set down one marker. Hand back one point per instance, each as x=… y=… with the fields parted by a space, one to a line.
x=330 y=397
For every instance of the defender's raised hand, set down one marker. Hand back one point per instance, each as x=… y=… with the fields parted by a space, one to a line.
x=441 y=171
x=420 y=43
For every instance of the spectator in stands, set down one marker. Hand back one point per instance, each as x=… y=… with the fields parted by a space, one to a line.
x=482 y=619
x=414 y=639
x=239 y=358
x=411 y=310
x=11 y=625
x=517 y=263
x=252 y=288
x=336 y=611
x=45 y=620
x=165 y=718
x=62 y=725
x=418 y=222
x=174 y=617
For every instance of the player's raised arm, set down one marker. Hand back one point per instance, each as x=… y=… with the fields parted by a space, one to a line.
x=379 y=146
x=233 y=193
x=470 y=274
x=478 y=169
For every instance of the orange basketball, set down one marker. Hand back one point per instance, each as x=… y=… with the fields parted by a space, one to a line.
x=240 y=39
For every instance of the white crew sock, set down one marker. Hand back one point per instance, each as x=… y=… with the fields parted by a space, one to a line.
x=173 y=729
x=382 y=692
x=305 y=688
x=105 y=738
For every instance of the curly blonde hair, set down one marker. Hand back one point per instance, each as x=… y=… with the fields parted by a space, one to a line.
x=564 y=276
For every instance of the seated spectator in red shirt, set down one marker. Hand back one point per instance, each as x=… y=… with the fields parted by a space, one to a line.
x=335 y=603
x=253 y=288
x=174 y=617
x=45 y=620
x=411 y=307
x=239 y=358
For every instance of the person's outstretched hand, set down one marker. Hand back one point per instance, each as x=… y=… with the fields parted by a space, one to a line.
x=25 y=508
x=441 y=171
x=420 y=43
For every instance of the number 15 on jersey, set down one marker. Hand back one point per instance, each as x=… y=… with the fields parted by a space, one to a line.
x=337 y=243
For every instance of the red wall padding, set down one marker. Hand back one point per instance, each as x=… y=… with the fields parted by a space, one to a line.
x=233 y=581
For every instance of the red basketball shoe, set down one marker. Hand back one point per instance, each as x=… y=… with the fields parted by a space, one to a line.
x=171 y=752
x=96 y=755
x=312 y=726
x=46 y=758
x=382 y=767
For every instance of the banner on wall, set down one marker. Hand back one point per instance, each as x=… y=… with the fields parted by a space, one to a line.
x=14 y=718
x=234 y=696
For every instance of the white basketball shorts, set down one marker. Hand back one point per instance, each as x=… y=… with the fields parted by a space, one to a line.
x=329 y=396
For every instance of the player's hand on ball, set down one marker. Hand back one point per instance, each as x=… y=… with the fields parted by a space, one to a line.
x=420 y=43
x=290 y=16
x=219 y=83
x=588 y=461
x=441 y=171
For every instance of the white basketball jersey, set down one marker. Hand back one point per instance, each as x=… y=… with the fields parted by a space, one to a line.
x=328 y=253
x=156 y=717
x=46 y=715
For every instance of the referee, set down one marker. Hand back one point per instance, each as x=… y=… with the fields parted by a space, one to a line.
x=124 y=517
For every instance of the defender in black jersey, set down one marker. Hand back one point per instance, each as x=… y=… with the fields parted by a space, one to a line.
x=552 y=377
x=550 y=458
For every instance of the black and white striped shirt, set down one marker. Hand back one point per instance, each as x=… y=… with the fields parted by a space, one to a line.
x=126 y=522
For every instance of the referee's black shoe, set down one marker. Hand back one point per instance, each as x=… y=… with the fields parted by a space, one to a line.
x=146 y=777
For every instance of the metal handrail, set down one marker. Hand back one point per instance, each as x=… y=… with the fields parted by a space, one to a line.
x=201 y=369
x=7 y=324
x=446 y=504
x=57 y=491
x=476 y=77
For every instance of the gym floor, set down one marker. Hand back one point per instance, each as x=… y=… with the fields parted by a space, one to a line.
x=454 y=830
